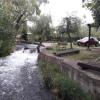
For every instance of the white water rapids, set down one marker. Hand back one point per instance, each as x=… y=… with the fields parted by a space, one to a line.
x=20 y=77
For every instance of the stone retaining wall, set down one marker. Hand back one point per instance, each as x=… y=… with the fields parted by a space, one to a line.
x=87 y=81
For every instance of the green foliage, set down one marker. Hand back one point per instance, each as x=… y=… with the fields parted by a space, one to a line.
x=66 y=88
x=71 y=24
x=21 y=11
x=42 y=27
x=94 y=7
x=6 y=33
x=13 y=17
x=5 y=48
x=61 y=31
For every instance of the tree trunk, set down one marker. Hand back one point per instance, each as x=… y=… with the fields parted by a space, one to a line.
x=18 y=20
x=70 y=40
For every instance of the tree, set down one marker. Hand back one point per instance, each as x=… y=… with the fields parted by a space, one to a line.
x=42 y=27
x=61 y=31
x=94 y=7
x=6 y=33
x=22 y=10
x=24 y=35
x=71 y=24
x=13 y=15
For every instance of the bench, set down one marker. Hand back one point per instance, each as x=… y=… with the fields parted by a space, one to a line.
x=66 y=52
x=90 y=65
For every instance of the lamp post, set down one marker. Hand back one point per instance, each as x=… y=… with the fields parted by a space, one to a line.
x=89 y=35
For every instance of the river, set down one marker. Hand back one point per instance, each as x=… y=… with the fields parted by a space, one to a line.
x=20 y=77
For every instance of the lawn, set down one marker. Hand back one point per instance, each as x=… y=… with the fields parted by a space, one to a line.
x=84 y=55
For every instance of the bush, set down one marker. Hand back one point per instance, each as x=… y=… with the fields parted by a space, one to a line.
x=7 y=32
x=48 y=82
x=66 y=88
x=5 y=48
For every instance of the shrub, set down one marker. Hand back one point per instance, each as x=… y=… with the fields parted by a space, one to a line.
x=48 y=82
x=66 y=88
x=7 y=32
x=5 y=48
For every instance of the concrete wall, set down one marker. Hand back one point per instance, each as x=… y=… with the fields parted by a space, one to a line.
x=87 y=81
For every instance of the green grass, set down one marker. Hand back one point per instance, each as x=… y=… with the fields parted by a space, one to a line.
x=83 y=55
x=66 y=89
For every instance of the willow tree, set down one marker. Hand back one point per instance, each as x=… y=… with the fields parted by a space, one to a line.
x=14 y=14
x=42 y=27
x=22 y=10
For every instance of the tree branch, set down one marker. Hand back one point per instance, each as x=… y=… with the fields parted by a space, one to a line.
x=19 y=19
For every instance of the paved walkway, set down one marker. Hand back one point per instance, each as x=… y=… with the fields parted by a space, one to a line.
x=20 y=78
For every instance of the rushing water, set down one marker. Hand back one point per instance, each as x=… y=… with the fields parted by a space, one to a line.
x=19 y=77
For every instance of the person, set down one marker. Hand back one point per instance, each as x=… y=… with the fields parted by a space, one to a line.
x=25 y=48
x=38 y=48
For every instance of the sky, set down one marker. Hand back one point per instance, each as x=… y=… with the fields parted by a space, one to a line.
x=58 y=9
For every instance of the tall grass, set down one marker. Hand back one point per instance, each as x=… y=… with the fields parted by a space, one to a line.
x=66 y=89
